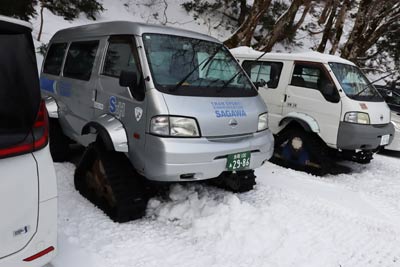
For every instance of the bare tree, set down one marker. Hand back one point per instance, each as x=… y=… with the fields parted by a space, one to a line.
x=328 y=26
x=339 y=26
x=285 y=25
x=374 y=19
x=245 y=32
x=325 y=12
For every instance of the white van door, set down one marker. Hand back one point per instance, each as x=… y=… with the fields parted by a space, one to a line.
x=312 y=95
x=18 y=202
x=19 y=104
x=267 y=76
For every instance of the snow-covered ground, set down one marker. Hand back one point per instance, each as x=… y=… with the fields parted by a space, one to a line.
x=290 y=219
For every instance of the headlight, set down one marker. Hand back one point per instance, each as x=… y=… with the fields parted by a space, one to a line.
x=174 y=126
x=357 y=117
x=262 y=122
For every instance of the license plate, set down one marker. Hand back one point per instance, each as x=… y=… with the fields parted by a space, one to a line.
x=238 y=161
x=385 y=139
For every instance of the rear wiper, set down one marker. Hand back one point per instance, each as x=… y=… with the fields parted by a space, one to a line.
x=205 y=61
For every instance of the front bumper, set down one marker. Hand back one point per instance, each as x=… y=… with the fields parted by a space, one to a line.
x=395 y=145
x=353 y=136
x=189 y=159
x=45 y=236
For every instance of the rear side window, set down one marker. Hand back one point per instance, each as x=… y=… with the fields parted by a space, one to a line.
x=270 y=72
x=19 y=87
x=80 y=60
x=54 y=59
x=120 y=56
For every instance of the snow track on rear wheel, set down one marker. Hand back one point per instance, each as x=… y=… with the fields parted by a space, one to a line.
x=289 y=219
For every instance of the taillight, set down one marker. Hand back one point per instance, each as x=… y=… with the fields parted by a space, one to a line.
x=41 y=128
x=35 y=140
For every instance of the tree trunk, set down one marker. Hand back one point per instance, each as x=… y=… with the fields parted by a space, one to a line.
x=374 y=18
x=328 y=27
x=243 y=11
x=41 y=23
x=281 y=28
x=357 y=31
x=325 y=12
x=339 y=26
x=245 y=32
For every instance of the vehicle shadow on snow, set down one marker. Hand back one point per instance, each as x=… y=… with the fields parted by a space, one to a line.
x=390 y=153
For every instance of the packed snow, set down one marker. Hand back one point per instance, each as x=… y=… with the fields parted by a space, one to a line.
x=290 y=219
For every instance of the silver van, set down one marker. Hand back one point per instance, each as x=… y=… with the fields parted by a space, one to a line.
x=150 y=101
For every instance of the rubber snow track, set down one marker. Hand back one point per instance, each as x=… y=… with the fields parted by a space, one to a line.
x=290 y=219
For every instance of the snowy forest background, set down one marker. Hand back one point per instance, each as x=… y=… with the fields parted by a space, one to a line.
x=366 y=32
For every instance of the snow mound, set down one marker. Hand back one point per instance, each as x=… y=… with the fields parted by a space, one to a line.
x=221 y=218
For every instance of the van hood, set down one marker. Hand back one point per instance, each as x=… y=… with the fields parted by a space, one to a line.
x=219 y=116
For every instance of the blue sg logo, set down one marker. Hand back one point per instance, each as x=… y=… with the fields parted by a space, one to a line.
x=113 y=102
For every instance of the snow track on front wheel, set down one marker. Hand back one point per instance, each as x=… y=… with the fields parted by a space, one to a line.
x=290 y=219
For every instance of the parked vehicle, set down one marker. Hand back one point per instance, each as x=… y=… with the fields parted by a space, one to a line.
x=167 y=104
x=392 y=98
x=319 y=106
x=28 y=190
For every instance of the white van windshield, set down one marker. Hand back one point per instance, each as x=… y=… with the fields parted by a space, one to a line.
x=354 y=83
x=193 y=67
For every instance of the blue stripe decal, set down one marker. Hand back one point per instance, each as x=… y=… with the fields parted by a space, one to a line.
x=47 y=84
x=64 y=89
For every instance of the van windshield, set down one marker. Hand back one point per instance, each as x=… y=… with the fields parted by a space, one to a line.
x=193 y=67
x=354 y=83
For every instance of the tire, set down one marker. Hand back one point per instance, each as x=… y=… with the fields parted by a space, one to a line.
x=59 y=143
x=239 y=182
x=301 y=150
x=361 y=157
x=109 y=181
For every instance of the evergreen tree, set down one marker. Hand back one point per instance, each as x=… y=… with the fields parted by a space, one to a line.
x=70 y=9
x=21 y=9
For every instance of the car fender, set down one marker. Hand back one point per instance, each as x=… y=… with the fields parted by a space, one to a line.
x=52 y=107
x=110 y=130
x=306 y=121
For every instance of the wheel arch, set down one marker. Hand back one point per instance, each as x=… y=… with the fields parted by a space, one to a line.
x=307 y=122
x=111 y=131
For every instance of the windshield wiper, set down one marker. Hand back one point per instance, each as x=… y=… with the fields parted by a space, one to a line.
x=205 y=61
x=370 y=83
x=229 y=81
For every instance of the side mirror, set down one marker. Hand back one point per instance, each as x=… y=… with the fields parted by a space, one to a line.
x=260 y=83
x=328 y=89
x=389 y=93
x=129 y=79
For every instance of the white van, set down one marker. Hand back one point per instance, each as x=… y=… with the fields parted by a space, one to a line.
x=319 y=105
x=28 y=190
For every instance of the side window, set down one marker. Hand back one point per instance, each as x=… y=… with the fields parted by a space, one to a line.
x=269 y=72
x=120 y=56
x=80 y=60
x=54 y=59
x=314 y=77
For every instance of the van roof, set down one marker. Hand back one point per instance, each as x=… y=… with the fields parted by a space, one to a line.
x=12 y=25
x=248 y=52
x=123 y=27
